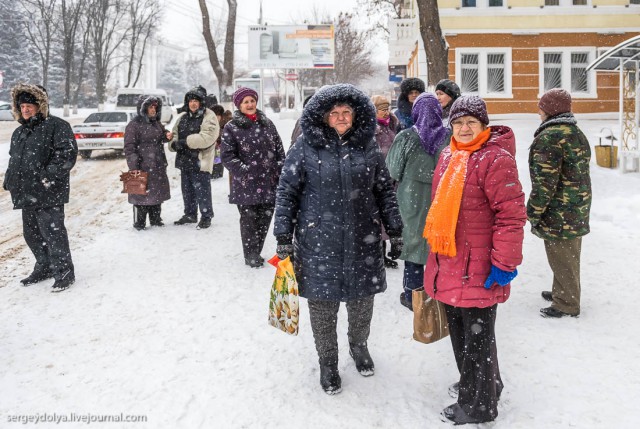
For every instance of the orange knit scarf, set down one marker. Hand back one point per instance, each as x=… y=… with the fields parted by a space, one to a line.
x=440 y=227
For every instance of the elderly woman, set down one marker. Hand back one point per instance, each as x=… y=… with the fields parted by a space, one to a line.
x=475 y=232
x=334 y=193
x=386 y=125
x=411 y=162
x=144 y=139
x=252 y=151
x=447 y=91
x=410 y=88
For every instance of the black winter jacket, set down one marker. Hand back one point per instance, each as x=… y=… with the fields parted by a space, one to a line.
x=43 y=149
x=333 y=196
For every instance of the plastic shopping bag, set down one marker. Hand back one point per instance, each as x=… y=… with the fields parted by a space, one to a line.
x=284 y=303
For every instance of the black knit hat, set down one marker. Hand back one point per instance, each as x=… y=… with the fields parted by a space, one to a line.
x=449 y=87
x=198 y=93
x=411 y=84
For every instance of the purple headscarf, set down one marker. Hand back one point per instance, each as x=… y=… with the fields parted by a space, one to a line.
x=427 y=119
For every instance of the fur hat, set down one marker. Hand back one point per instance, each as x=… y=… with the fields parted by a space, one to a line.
x=469 y=105
x=555 y=101
x=241 y=93
x=410 y=84
x=449 y=87
x=26 y=97
x=380 y=101
x=197 y=93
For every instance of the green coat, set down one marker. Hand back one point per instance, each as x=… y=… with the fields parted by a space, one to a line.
x=412 y=167
x=560 y=200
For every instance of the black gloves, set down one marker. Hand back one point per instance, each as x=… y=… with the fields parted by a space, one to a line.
x=284 y=250
x=285 y=246
x=396 y=247
x=180 y=145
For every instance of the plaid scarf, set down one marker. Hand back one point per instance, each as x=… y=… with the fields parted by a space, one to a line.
x=440 y=227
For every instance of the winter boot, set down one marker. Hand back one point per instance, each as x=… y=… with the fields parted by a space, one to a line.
x=329 y=376
x=140 y=217
x=36 y=276
x=454 y=389
x=456 y=414
x=204 y=223
x=547 y=296
x=254 y=261
x=390 y=263
x=362 y=358
x=407 y=302
x=185 y=220
x=154 y=216
x=64 y=281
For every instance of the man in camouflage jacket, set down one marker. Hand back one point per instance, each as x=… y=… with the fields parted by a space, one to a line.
x=560 y=200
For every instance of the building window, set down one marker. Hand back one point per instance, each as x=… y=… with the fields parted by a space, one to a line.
x=495 y=3
x=566 y=3
x=469 y=68
x=567 y=68
x=579 y=2
x=552 y=2
x=468 y=3
x=484 y=71
x=634 y=1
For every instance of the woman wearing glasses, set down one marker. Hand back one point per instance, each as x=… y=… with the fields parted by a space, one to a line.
x=334 y=193
x=475 y=230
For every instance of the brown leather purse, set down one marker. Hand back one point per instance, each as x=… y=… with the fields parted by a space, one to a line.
x=429 y=318
x=134 y=182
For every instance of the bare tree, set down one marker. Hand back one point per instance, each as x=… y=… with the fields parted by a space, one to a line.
x=79 y=66
x=144 y=16
x=40 y=30
x=69 y=14
x=435 y=46
x=378 y=13
x=105 y=36
x=224 y=71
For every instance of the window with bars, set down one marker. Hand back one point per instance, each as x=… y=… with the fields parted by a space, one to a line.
x=469 y=72
x=486 y=72
x=567 y=69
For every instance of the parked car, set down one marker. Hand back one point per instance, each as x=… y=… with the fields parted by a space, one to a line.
x=5 y=111
x=102 y=130
x=127 y=99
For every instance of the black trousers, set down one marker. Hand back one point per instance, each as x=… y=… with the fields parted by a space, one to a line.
x=254 y=226
x=324 y=320
x=140 y=214
x=473 y=337
x=46 y=236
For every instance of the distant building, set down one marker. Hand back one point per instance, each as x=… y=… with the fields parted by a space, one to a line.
x=511 y=51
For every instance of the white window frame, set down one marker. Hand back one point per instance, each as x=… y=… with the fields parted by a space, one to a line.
x=482 y=70
x=485 y=4
x=568 y=3
x=566 y=69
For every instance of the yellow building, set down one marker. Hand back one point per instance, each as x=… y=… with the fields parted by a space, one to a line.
x=511 y=51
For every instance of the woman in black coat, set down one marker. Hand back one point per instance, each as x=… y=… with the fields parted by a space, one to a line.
x=334 y=193
x=144 y=139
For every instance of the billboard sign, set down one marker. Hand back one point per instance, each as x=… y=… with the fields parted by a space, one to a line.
x=291 y=46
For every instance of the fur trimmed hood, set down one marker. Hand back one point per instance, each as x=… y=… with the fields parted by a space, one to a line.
x=143 y=104
x=317 y=131
x=38 y=92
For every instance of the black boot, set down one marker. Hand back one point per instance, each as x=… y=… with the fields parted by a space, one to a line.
x=456 y=414
x=185 y=220
x=329 y=376
x=154 y=216
x=141 y=217
x=36 y=276
x=362 y=358
x=64 y=281
x=254 y=261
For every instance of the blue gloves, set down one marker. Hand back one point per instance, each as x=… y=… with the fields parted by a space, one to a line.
x=499 y=276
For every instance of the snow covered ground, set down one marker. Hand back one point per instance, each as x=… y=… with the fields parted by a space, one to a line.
x=170 y=324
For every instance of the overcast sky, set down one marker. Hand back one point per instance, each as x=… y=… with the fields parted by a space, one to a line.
x=183 y=24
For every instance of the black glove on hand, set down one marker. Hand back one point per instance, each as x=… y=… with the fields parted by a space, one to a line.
x=396 y=247
x=284 y=250
x=180 y=145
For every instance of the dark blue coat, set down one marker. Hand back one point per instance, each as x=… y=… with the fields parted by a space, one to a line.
x=333 y=196
x=253 y=154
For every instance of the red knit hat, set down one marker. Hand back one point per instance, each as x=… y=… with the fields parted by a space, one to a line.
x=241 y=93
x=555 y=101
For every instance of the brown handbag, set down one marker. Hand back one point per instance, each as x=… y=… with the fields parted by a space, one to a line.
x=134 y=182
x=429 y=318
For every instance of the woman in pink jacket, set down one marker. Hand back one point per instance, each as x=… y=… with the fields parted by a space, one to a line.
x=475 y=230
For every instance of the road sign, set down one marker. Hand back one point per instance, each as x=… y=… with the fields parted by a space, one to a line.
x=291 y=76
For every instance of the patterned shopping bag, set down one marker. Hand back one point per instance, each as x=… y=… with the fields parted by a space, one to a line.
x=283 y=303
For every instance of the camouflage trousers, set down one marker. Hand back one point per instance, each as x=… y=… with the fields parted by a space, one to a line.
x=564 y=260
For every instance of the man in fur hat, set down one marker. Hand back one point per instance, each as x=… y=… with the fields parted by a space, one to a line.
x=43 y=152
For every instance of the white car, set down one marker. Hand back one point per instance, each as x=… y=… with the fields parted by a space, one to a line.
x=5 y=112
x=102 y=130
